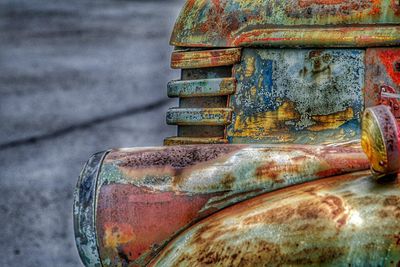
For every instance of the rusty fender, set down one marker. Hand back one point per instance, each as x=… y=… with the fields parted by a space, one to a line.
x=348 y=220
x=131 y=202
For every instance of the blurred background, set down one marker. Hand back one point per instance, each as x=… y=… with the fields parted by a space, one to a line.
x=76 y=77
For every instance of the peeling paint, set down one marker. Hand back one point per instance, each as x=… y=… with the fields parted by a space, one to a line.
x=300 y=96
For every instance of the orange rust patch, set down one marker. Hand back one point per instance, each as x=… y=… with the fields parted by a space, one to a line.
x=272 y=170
x=329 y=207
x=278 y=215
x=393 y=201
x=116 y=234
x=217 y=252
x=228 y=180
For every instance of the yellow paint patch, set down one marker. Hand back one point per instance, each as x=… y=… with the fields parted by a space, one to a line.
x=249 y=67
x=264 y=124
x=331 y=121
x=373 y=144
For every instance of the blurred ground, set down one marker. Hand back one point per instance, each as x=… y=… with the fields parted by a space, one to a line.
x=76 y=77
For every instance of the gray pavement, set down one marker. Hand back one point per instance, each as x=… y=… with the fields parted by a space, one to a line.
x=76 y=77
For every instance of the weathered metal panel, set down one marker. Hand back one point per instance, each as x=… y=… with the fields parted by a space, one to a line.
x=204 y=58
x=147 y=196
x=348 y=220
x=85 y=211
x=199 y=116
x=215 y=23
x=297 y=96
x=382 y=70
x=204 y=87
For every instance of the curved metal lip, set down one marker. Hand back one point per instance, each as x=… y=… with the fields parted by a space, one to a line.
x=271 y=24
x=84 y=208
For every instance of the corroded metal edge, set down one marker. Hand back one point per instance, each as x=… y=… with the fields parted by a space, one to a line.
x=205 y=58
x=84 y=211
x=177 y=140
x=322 y=37
x=206 y=23
x=300 y=37
x=202 y=87
x=199 y=116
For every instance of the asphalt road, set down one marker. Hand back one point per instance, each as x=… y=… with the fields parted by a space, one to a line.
x=76 y=77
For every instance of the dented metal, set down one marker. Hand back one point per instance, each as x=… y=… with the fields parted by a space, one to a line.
x=183 y=184
x=347 y=220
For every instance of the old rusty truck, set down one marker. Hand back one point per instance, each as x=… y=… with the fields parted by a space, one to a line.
x=287 y=146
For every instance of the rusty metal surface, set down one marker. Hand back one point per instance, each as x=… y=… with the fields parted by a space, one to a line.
x=207 y=102
x=201 y=131
x=297 y=96
x=199 y=116
x=348 y=220
x=85 y=211
x=203 y=87
x=215 y=23
x=389 y=97
x=204 y=58
x=381 y=72
x=188 y=140
x=146 y=196
x=243 y=204
x=207 y=73
x=381 y=140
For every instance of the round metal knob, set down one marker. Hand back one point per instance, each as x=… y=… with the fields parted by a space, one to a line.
x=380 y=140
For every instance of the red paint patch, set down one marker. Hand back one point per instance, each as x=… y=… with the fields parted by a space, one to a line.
x=132 y=222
